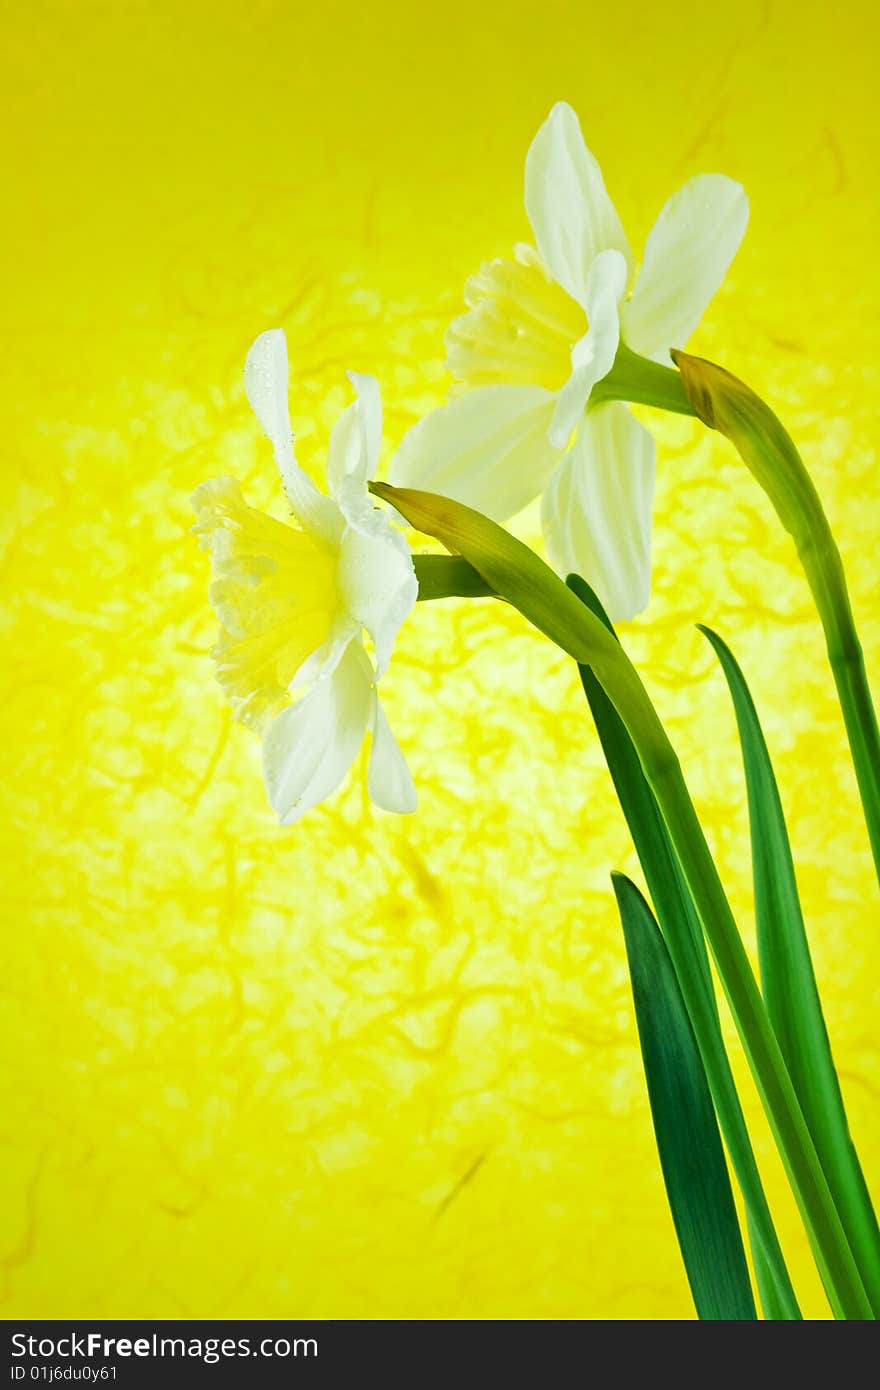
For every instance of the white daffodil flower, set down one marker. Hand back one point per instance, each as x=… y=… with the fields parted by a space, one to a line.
x=294 y=604
x=542 y=330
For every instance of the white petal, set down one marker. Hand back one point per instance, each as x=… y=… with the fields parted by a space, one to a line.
x=593 y=356
x=375 y=577
x=597 y=510
x=345 y=458
x=324 y=659
x=571 y=214
x=488 y=449
x=687 y=256
x=571 y=404
x=370 y=414
x=356 y=437
x=310 y=746
x=389 y=780
x=265 y=381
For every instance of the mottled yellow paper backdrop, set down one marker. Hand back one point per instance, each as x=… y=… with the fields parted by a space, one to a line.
x=370 y=1067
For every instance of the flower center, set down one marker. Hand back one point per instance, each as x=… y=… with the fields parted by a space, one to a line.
x=520 y=329
x=274 y=592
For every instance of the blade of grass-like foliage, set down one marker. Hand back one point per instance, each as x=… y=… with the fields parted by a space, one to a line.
x=688 y=1141
x=684 y=938
x=773 y=1308
x=789 y=984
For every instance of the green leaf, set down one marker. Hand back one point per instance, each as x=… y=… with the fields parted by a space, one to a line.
x=684 y=938
x=772 y=1304
x=789 y=984
x=688 y=1141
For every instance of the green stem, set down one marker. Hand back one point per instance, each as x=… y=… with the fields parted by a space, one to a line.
x=788 y=985
x=833 y=1255
x=823 y=567
x=636 y=379
x=682 y=929
x=726 y=404
x=448 y=576
x=515 y=572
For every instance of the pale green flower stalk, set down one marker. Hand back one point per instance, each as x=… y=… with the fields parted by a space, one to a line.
x=514 y=572
x=726 y=404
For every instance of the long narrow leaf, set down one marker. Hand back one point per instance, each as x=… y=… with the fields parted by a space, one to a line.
x=684 y=938
x=789 y=984
x=688 y=1141
x=774 y=1309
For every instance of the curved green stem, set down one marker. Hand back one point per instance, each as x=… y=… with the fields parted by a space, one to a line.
x=636 y=379
x=683 y=932
x=833 y=1255
x=515 y=572
x=823 y=566
x=726 y=404
x=448 y=576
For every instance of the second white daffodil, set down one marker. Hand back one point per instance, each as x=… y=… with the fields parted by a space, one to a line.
x=294 y=603
x=541 y=331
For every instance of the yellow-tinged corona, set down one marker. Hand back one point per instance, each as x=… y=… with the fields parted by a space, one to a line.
x=541 y=331
x=295 y=604
x=274 y=595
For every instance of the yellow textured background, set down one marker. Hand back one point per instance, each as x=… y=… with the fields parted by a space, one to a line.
x=374 y=1067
